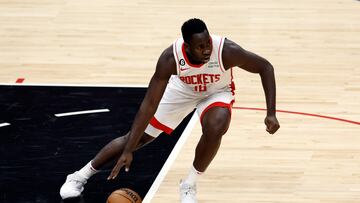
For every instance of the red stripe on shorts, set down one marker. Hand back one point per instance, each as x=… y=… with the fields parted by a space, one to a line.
x=216 y=104
x=154 y=122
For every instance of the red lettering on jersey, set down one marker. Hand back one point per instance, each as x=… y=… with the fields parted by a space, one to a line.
x=186 y=79
x=199 y=79
x=182 y=78
x=211 y=78
x=193 y=79
x=205 y=78
x=202 y=88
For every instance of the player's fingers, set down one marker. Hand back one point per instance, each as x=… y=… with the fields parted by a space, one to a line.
x=268 y=126
x=127 y=165
x=273 y=128
x=114 y=172
x=277 y=126
x=268 y=130
x=116 y=169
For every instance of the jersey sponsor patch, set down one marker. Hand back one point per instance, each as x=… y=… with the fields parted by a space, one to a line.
x=182 y=62
x=213 y=64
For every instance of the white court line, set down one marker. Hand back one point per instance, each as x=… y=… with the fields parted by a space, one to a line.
x=4 y=124
x=174 y=153
x=81 y=112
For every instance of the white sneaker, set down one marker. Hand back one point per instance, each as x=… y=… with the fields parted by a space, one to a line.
x=187 y=193
x=73 y=186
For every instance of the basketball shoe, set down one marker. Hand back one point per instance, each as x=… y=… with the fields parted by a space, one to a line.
x=73 y=186
x=187 y=193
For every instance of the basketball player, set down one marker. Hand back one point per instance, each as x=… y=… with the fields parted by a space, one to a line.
x=194 y=72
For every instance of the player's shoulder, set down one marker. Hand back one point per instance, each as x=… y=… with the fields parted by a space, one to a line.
x=168 y=52
x=230 y=45
x=231 y=49
x=233 y=54
x=168 y=55
x=166 y=61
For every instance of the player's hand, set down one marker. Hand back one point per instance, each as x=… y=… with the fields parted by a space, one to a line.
x=272 y=124
x=124 y=160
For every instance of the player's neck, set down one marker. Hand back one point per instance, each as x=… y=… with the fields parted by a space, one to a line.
x=191 y=59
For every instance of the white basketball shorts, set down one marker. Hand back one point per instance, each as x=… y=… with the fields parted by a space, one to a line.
x=177 y=102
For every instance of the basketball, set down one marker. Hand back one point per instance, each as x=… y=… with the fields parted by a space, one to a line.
x=124 y=195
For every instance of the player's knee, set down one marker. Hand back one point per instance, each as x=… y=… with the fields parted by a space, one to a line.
x=216 y=123
x=217 y=129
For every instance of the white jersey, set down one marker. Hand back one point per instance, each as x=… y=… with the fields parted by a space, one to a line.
x=201 y=86
x=203 y=79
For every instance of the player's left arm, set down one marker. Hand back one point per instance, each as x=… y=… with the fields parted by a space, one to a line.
x=234 y=55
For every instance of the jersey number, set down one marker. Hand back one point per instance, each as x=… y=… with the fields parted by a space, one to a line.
x=200 y=88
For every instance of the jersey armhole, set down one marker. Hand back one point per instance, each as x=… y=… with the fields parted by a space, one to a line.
x=176 y=57
x=221 y=46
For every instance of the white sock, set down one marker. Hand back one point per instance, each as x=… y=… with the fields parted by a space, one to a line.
x=87 y=171
x=193 y=176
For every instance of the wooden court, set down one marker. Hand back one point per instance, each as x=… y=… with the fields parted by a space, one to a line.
x=314 y=47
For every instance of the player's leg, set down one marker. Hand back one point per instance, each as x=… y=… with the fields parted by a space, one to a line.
x=215 y=116
x=75 y=182
x=114 y=148
x=215 y=123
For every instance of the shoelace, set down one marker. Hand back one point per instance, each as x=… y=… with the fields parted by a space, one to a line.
x=189 y=190
x=78 y=181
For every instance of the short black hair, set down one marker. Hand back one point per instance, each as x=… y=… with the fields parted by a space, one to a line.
x=192 y=26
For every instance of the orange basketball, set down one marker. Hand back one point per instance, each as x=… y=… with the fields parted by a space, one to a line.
x=124 y=195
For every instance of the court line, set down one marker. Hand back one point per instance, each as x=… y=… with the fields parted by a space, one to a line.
x=81 y=112
x=20 y=80
x=4 y=124
x=301 y=113
x=170 y=160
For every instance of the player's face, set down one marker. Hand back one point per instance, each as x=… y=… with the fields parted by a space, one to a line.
x=200 y=47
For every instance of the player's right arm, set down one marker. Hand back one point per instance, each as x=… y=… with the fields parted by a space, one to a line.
x=166 y=66
x=164 y=69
